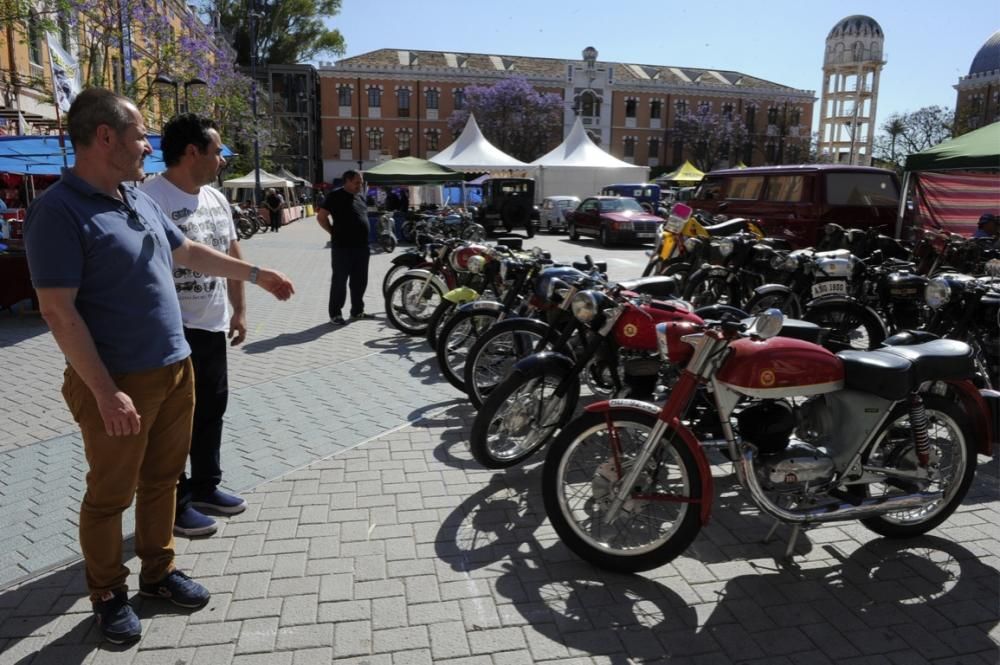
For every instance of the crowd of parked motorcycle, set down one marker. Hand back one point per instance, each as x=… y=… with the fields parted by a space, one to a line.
x=850 y=381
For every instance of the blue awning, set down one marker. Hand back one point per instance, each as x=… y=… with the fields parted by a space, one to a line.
x=42 y=155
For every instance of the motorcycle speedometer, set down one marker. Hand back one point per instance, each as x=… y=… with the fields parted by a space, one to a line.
x=938 y=293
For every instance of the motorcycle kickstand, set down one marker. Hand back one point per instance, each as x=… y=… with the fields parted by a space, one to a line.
x=796 y=530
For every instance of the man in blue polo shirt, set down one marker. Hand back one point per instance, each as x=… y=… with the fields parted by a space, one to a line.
x=102 y=256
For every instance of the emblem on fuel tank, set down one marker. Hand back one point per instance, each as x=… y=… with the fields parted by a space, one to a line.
x=767 y=377
x=630 y=330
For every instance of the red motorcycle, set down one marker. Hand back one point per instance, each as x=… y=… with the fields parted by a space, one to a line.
x=888 y=437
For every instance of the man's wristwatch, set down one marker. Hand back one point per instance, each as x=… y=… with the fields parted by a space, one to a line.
x=254 y=274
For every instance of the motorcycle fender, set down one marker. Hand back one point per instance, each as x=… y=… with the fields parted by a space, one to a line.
x=853 y=302
x=544 y=360
x=462 y=294
x=768 y=289
x=983 y=407
x=435 y=280
x=480 y=306
x=408 y=259
x=717 y=312
x=689 y=439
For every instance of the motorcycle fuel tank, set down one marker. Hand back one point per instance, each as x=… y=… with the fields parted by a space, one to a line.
x=636 y=328
x=780 y=367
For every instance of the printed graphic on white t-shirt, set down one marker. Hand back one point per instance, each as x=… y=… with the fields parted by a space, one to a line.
x=205 y=218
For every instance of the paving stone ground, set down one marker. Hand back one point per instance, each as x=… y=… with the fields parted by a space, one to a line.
x=372 y=537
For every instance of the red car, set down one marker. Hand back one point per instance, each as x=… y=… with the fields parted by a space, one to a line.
x=613 y=219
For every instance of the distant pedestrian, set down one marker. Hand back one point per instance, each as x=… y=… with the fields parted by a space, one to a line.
x=101 y=255
x=344 y=215
x=211 y=307
x=988 y=226
x=275 y=204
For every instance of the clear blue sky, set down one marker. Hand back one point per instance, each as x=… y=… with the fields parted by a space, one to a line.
x=928 y=45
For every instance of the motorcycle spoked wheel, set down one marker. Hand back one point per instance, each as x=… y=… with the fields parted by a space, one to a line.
x=442 y=313
x=394 y=273
x=953 y=453
x=788 y=304
x=579 y=478
x=456 y=338
x=406 y=310
x=712 y=288
x=851 y=327
x=512 y=423
x=496 y=351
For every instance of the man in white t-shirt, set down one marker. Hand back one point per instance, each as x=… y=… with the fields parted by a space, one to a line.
x=211 y=307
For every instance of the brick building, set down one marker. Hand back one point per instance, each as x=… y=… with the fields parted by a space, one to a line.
x=391 y=103
x=978 y=100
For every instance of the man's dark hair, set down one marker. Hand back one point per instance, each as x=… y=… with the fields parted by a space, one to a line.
x=95 y=107
x=184 y=130
x=350 y=174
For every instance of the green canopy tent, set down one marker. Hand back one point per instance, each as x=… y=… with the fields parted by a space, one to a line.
x=977 y=154
x=411 y=171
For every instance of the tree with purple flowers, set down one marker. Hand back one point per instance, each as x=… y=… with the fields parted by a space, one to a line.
x=709 y=138
x=513 y=116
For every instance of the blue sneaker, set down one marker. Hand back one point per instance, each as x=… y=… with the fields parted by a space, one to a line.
x=179 y=589
x=220 y=502
x=191 y=524
x=117 y=621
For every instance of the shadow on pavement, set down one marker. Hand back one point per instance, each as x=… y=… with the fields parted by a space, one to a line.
x=16 y=328
x=289 y=339
x=884 y=598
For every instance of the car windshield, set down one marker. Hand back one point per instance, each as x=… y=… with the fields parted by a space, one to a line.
x=620 y=205
x=566 y=203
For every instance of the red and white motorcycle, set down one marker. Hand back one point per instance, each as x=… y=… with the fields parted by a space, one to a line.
x=888 y=437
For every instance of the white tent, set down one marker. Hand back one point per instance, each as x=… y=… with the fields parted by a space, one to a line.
x=472 y=152
x=579 y=167
x=267 y=180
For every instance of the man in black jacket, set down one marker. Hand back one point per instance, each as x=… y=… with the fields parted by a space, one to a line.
x=344 y=215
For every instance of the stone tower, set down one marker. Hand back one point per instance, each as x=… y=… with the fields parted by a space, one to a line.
x=851 y=68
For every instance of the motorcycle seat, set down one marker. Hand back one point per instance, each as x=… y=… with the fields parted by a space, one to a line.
x=939 y=360
x=727 y=228
x=657 y=286
x=884 y=374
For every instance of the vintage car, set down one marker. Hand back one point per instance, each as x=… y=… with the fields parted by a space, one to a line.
x=507 y=204
x=554 y=211
x=613 y=219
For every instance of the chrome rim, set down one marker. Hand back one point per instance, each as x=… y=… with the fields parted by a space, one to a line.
x=526 y=419
x=498 y=356
x=461 y=338
x=409 y=306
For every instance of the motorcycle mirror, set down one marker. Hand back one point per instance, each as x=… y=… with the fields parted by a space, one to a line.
x=768 y=324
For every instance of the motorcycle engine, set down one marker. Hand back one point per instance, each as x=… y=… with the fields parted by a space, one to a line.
x=785 y=464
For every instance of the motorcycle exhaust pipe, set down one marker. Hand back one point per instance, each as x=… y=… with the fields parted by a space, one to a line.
x=845 y=511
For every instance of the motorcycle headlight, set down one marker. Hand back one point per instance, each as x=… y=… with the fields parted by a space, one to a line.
x=725 y=247
x=937 y=293
x=691 y=244
x=476 y=264
x=784 y=262
x=584 y=306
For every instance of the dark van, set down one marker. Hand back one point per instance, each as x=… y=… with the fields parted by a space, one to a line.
x=795 y=202
x=643 y=192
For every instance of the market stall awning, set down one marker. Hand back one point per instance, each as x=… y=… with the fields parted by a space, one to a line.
x=411 y=171
x=979 y=149
x=686 y=173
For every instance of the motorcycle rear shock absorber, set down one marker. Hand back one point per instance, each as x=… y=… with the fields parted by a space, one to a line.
x=918 y=425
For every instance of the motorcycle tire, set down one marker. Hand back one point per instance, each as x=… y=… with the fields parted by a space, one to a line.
x=245 y=229
x=530 y=229
x=711 y=287
x=455 y=337
x=580 y=525
x=511 y=340
x=408 y=230
x=845 y=319
x=411 y=318
x=442 y=313
x=573 y=235
x=520 y=401
x=387 y=243
x=605 y=237
x=943 y=417
x=787 y=303
x=652 y=268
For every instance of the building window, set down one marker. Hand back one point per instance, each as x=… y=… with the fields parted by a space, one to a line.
x=432 y=99
x=433 y=136
x=590 y=106
x=681 y=106
x=403 y=102
x=771 y=152
x=374 y=139
x=459 y=99
x=704 y=108
x=34 y=39
x=772 y=116
x=344 y=94
x=346 y=139
x=404 y=137
x=654 y=148
x=796 y=117
x=630 y=105
x=678 y=152
x=727 y=111
x=655 y=109
x=751 y=117
x=629 y=146
x=374 y=98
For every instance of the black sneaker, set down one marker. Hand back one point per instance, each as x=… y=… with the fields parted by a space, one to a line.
x=361 y=315
x=179 y=589
x=338 y=321
x=220 y=502
x=117 y=621
x=191 y=524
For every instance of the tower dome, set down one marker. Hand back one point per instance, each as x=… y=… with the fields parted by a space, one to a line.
x=857 y=25
x=988 y=57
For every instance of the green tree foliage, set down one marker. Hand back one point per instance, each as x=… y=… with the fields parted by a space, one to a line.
x=902 y=134
x=288 y=31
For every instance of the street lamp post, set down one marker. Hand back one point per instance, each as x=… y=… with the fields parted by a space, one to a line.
x=253 y=16
x=165 y=81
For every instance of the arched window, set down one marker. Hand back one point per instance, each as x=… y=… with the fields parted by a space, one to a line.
x=374 y=97
x=681 y=107
x=374 y=139
x=590 y=106
x=403 y=102
x=432 y=98
x=404 y=138
x=433 y=136
x=34 y=39
x=459 y=99
x=654 y=148
x=655 y=109
x=751 y=117
x=630 y=105
x=344 y=95
x=346 y=139
x=629 y=146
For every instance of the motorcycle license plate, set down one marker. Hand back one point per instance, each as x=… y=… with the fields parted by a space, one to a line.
x=674 y=225
x=828 y=288
x=644 y=234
